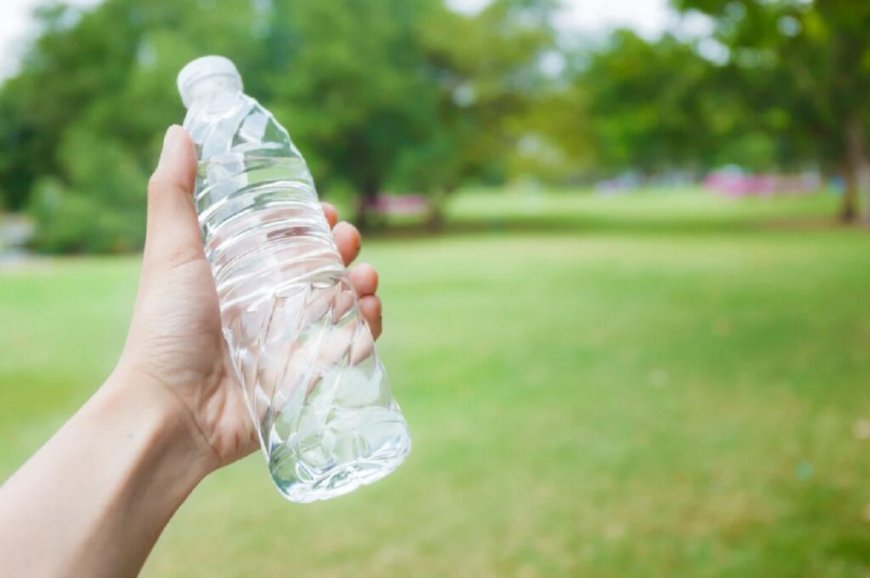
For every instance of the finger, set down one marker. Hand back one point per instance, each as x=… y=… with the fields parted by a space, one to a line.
x=348 y=240
x=364 y=279
x=370 y=307
x=172 y=231
x=330 y=212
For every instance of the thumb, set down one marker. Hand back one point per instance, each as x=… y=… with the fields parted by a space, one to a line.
x=172 y=233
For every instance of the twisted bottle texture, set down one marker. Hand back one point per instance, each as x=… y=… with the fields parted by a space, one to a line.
x=305 y=358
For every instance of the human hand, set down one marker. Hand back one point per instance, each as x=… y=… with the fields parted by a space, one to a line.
x=169 y=414
x=175 y=349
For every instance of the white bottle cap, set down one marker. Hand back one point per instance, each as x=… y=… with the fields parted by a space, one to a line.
x=220 y=72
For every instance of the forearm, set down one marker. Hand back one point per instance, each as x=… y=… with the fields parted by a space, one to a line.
x=93 y=501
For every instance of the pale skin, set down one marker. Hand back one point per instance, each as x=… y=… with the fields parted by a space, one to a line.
x=94 y=499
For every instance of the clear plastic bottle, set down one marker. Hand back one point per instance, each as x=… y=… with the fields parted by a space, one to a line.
x=317 y=393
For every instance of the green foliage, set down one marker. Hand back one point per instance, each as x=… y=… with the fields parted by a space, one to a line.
x=101 y=211
x=356 y=98
x=491 y=86
x=801 y=71
x=366 y=89
x=409 y=96
x=404 y=106
x=652 y=104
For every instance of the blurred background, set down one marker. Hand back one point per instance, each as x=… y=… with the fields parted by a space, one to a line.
x=623 y=257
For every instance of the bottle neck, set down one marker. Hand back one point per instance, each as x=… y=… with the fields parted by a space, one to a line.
x=213 y=118
x=212 y=92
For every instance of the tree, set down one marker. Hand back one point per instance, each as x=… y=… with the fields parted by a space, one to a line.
x=81 y=123
x=804 y=71
x=490 y=88
x=378 y=95
x=347 y=78
x=405 y=105
x=656 y=105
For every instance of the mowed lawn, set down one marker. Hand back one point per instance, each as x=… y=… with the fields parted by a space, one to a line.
x=636 y=386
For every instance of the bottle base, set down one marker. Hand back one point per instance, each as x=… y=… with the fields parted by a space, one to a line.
x=327 y=483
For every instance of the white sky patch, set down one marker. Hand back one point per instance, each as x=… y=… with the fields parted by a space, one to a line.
x=467 y=6
x=552 y=64
x=647 y=17
x=17 y=30
x=14 y=24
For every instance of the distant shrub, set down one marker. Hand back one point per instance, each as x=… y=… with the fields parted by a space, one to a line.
x=102 y=207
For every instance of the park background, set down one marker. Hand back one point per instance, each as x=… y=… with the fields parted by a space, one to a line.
x=626 y=272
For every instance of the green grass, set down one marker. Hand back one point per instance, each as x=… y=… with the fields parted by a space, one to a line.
x=650 y=385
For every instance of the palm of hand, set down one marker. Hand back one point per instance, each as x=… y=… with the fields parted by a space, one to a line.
x=176 y=341
x=175 y=344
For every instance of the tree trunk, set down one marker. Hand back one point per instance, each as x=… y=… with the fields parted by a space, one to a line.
x=854 y=168
x=366 y=205
x=849 y=204
x=436 y=219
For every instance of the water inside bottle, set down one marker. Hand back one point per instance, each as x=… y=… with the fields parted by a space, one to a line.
x=302 y=352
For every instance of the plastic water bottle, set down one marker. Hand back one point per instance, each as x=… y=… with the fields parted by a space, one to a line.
x=303 y=354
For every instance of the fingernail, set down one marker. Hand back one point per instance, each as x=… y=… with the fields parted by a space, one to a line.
x=170 y=146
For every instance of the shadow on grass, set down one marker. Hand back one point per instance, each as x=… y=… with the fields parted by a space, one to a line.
x=610 y=225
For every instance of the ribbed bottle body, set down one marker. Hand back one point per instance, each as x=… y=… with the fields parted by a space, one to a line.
x=304 y=356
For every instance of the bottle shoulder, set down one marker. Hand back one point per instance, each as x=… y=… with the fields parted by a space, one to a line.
x=237 y=125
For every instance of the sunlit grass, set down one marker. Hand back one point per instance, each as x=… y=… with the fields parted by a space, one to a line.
x=607 y=396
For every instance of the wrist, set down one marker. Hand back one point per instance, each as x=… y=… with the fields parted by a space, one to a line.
x=127 y=461
x=156 y=425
